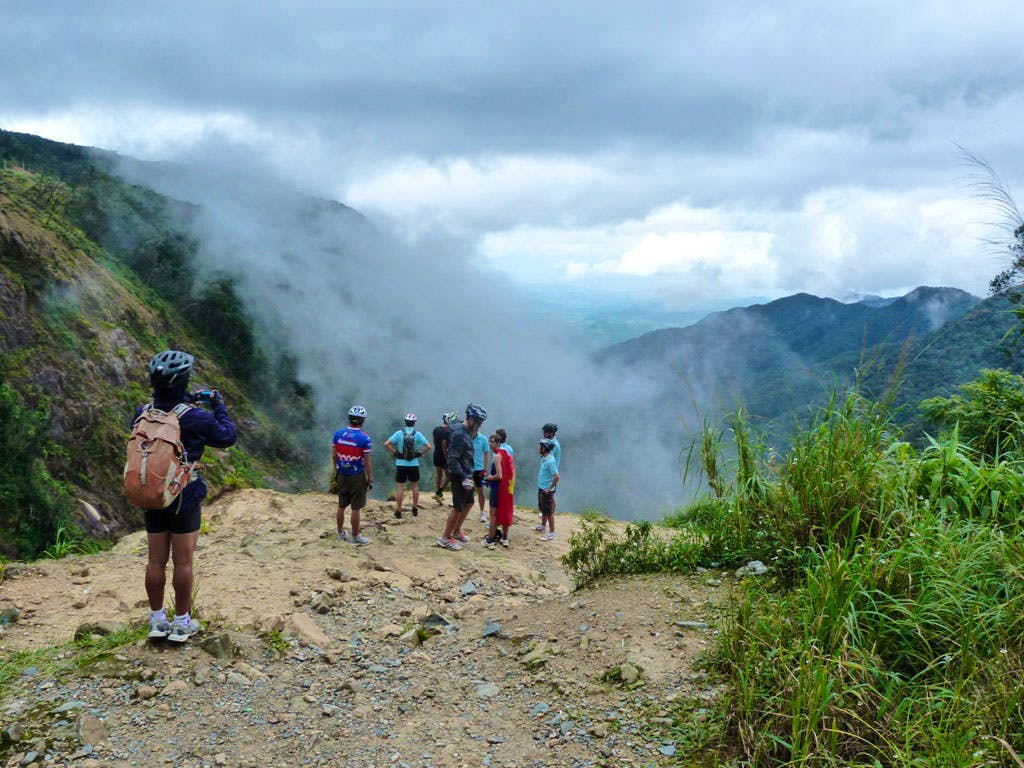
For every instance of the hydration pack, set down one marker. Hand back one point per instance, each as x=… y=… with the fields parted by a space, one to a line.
x=155 y=470
x=409 y=445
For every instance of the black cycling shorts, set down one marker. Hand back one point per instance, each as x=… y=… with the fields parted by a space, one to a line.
x=461 y=497
x=407 y=474
x=187 y=519
x=478 y=478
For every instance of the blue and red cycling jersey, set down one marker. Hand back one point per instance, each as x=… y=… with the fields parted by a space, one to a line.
x=350 y=445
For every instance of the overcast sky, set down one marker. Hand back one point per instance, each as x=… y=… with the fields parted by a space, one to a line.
x=692 y=152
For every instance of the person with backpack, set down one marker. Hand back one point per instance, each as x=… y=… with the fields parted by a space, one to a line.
x=441 y=435
x=460 y=469
x=350 y=452
x=407 y=445
x=162 y=477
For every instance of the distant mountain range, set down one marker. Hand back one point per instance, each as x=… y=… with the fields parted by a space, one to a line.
x=778 y=358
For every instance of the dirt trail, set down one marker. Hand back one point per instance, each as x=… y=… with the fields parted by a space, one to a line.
x=339 y=679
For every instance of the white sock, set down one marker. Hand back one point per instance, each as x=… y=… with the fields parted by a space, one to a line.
x=160 y=615
x=183 y=620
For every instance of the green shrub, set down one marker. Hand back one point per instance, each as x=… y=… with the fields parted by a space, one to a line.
x=33 y=505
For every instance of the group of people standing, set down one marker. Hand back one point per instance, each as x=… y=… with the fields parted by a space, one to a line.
x=464 y=460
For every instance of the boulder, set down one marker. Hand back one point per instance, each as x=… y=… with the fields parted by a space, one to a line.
x=219 y=646
x=306 y=630
x=90 y=730
x=100 y=628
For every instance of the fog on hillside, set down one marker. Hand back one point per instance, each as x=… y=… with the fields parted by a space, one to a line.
x=422 y=327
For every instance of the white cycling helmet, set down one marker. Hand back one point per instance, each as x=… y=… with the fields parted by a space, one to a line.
x=410 y=419
x=357 y=412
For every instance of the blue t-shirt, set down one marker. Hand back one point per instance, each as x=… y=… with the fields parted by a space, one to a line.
x=397 y=441
x=351 y=444
x=507 y=448
x=556 y=453
x=480 y=447
x=546 y=473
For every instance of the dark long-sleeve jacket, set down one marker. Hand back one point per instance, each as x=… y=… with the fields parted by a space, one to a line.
x=460 y=453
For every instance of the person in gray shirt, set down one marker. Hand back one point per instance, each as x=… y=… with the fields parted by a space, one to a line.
x=460 y=470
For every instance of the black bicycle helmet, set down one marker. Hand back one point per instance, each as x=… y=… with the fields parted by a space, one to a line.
x=549 y=427
x=474 y=411
x=170 y=368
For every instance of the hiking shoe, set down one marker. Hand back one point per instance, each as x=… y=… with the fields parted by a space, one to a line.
x=483 y=517
x=159 y=628
x=488 y=544
x=504 y=542
x=549 y=536
x=342 y=536
x=460 y=537
x=415 y=511
x=398 y=514
x=360 y=540
x=439 y=497
x=181 y=632
x=539 y=528
x=451 y=544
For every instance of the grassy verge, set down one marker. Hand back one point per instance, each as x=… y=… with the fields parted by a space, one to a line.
x=890 y=629
x=68 y=658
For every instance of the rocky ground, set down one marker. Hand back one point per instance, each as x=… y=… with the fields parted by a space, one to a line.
x=321 y=653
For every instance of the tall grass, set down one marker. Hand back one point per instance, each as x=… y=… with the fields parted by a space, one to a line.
x=892 y=630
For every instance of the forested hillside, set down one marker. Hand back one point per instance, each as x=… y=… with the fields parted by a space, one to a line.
x=95 y=277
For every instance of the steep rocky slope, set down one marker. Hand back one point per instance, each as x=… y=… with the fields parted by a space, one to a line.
x=76 y=329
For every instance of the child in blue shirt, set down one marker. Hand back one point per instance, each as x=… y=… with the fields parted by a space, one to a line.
x=547 y=482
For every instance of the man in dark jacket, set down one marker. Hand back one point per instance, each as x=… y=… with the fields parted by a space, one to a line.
x=174 y=531
x=460 y=470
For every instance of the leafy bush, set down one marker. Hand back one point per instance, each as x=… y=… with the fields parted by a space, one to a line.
x=33 y=505
x=986 y=413
x=892 y=631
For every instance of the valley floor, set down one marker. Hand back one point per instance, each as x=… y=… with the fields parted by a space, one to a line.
x=324 y=670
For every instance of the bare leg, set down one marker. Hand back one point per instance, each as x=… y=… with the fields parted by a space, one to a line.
x=462 y=518
x=183 y=546
x=450 y=525
x=415 y=495
x=399 y=495
x=355 y=522
x=341 y=519
x=492 y=533
x=156 y=568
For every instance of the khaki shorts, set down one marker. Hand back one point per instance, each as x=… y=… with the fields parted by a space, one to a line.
x=352 y=490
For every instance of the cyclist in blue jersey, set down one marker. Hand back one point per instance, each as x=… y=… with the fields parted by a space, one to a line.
x=350 y=452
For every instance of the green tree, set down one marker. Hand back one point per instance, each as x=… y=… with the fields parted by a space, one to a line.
x=33 y=505
x=987 y=411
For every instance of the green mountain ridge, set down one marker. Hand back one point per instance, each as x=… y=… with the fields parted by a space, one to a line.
x=776 y=359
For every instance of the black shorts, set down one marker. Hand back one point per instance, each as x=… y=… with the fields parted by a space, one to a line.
x=478 y=478
x=407 y=474
x=546 y=502
x=352 y=490
x=187 y=519
x=461 y=497
x=440 y=461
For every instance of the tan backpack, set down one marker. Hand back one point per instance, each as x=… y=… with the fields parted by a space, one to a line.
x=155 y=471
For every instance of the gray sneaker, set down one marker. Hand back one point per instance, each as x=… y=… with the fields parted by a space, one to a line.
x=159 y=629
x=182 y=632
x=360 y=540
x=342 y=536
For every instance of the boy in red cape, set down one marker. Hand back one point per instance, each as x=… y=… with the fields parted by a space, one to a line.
x=501 y=479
